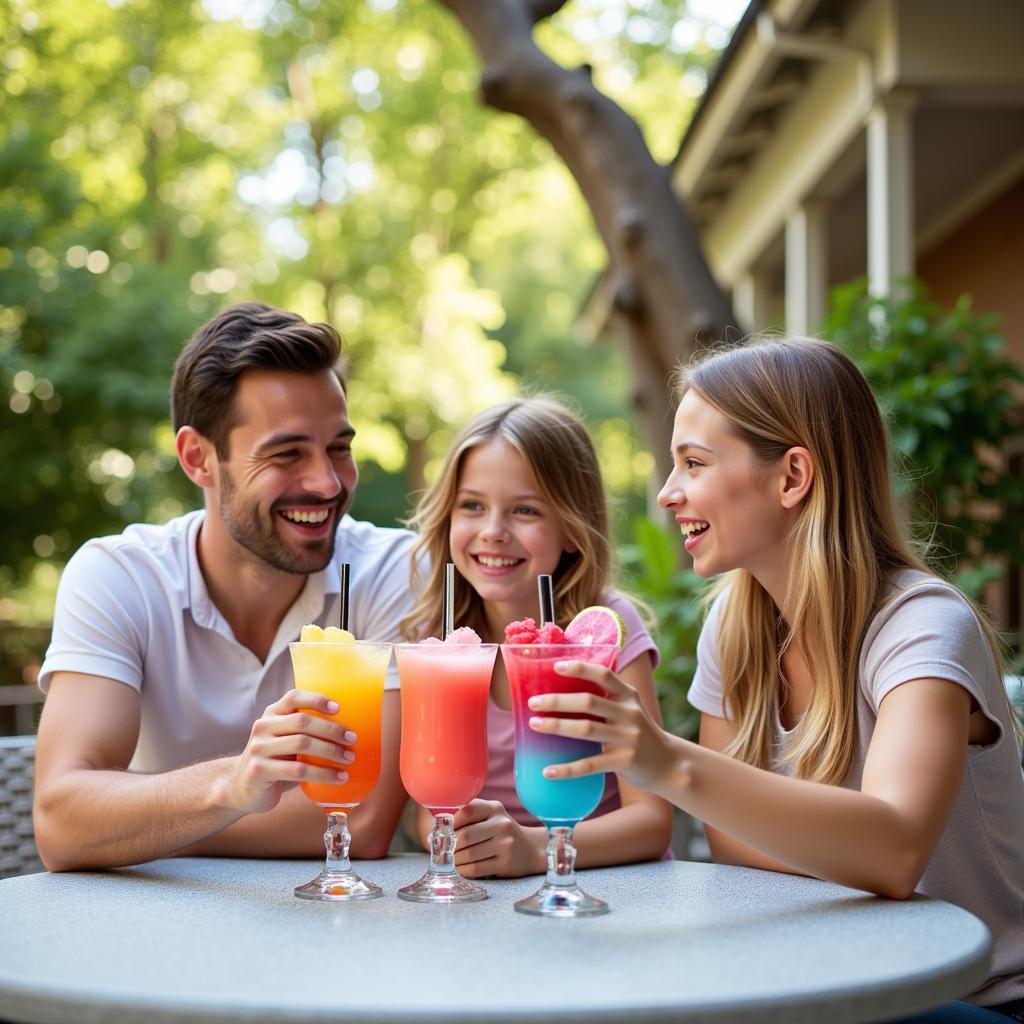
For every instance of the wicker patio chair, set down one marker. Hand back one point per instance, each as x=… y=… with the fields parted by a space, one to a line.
x=18 y=854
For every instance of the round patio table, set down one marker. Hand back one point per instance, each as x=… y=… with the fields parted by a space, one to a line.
x=219 y=941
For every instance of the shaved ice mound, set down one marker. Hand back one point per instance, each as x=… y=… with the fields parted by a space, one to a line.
x=464 y=635
x=522 y=632
x=551 y=634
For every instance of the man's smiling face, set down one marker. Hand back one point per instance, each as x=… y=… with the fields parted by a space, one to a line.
x=289 y=474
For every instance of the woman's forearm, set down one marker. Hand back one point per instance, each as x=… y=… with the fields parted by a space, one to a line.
x=828 y=832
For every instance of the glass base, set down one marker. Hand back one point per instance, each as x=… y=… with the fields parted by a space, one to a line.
x=442 y=888
x=561 y=901
x=338 y=885
x=441 y=882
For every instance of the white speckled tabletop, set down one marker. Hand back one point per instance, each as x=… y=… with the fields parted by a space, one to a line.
x=214 y=941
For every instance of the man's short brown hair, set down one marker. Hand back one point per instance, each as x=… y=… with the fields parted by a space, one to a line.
x=249 y=336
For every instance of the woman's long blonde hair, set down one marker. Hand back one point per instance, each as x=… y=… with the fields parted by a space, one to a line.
x=844 y=551
x=560 y=453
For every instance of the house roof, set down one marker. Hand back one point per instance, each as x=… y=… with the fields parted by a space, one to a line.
x=721 y=69
x=783 y=119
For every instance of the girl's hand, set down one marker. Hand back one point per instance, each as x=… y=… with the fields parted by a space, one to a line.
x=491 y=843
x=635 y=747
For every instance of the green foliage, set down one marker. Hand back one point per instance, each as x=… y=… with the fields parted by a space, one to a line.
x=949 y=396
x=951 y=399
x=112 y=197
x=161 y=161
x=675 y=597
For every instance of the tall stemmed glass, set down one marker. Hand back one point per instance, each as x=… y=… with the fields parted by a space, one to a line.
x=351 y=673
x=560 y=803
x=444 y=750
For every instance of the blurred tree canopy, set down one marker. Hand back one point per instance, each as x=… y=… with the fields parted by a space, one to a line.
x=160 y=161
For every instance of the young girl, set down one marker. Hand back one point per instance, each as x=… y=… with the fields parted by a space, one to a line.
x=521 y=494
x=854 y=723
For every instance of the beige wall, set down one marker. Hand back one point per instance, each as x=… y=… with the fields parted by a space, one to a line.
x=985 y=258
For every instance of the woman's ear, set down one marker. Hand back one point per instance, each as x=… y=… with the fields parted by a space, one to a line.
x=798 y=468
x=196 y=455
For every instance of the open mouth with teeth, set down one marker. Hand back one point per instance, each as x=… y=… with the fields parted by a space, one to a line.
x=307 y=520
x=497 y=561
x=695 y=528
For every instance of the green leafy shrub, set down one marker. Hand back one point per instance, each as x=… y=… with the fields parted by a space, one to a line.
x=952 y=399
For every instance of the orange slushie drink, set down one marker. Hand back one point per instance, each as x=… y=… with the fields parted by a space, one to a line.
x=352 y=674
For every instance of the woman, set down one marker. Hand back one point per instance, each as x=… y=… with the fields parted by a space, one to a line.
x=854 y=726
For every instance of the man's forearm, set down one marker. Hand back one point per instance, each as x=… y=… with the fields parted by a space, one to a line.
x=294 y=828
x=91 y=812
x=92 y=819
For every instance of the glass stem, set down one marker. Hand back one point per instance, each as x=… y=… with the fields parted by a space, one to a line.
x=561 y=857
x=337 y=840
x=442 y=845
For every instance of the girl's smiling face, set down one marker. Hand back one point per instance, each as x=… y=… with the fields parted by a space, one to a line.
x=729 y=506
x=503 y=533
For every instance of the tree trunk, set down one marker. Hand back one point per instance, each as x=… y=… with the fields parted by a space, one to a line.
x=665 y=301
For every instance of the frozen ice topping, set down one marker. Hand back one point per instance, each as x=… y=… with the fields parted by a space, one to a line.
x=551 y=634
x=313 y=634
x=595 y=625
x=526 y=631
x=522 y=632
x=462 y=637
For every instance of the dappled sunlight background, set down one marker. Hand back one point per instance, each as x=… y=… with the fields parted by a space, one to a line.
x=161 y=161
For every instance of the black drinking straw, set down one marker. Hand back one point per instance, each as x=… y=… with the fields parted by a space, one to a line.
x=448 y=607
x=547 y=599
x=344 y=594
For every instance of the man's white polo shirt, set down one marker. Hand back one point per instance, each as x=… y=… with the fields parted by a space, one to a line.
x=135 y=608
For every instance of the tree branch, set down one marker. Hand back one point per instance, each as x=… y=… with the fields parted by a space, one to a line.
x=663 y=289
x=538 y=10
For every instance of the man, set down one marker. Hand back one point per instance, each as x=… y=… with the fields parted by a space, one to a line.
x=169 y=642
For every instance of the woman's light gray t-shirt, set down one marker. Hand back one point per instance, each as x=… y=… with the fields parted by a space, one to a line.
x=927 y=630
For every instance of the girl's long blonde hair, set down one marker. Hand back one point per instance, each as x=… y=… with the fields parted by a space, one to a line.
x=844 y=551
x=560 y=453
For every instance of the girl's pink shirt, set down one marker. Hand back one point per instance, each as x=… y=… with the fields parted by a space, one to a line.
x=501 y=784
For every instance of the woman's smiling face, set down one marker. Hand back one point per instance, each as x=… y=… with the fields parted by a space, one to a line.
x=727 y=504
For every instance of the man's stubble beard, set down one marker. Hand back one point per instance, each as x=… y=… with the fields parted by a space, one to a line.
x=247 y=528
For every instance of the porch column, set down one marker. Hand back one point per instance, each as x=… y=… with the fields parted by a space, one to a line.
x=890 y=192
x=806 y=269
x=751 y=300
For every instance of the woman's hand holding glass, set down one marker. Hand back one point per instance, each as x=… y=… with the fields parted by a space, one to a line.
x=634 y=746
